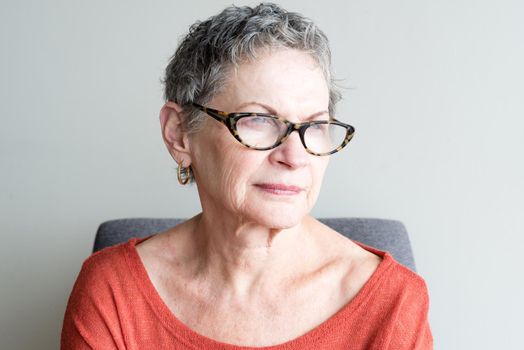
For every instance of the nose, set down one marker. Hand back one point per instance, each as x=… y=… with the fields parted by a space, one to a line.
x=291 y=152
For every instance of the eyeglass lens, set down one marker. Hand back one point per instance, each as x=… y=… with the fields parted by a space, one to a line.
x=262 y=132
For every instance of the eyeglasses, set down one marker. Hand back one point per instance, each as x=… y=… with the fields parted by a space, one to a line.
x=263 y=131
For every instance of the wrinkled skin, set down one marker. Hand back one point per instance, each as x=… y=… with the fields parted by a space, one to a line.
x=283 y=82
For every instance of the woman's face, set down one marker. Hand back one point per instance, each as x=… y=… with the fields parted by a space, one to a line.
x=275 y=188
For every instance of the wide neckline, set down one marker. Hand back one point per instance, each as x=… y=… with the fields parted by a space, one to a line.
x=189 y=336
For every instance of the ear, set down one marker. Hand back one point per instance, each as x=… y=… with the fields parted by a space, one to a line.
x=174 y=135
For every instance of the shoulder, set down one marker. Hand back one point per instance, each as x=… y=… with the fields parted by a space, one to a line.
x=105 y=259
x=373 y=270
x=367 y=262
x=407 y=284
x=400 y=290
x=102 y=270
x=399 y=300
x=92 y=312
x=394 y=277
x=403 y=300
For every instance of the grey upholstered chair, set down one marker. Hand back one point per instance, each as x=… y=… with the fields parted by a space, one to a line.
x=389 y=235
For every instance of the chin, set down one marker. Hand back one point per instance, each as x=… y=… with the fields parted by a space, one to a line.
x=278 y=216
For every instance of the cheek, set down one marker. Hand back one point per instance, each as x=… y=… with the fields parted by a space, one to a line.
x=318 y=172
x=222 y=171
x=230 y=185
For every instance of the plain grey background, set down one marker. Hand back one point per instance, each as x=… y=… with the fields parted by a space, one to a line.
x=434 y=89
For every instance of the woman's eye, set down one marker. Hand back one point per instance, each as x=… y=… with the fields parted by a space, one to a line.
x=319 y=127
x=259 y=120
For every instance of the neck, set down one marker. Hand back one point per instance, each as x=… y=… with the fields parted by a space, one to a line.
x=241 y=256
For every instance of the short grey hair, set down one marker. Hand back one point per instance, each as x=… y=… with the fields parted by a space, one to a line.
x=199 y=68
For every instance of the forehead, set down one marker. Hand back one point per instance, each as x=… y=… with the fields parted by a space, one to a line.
x=285 y=79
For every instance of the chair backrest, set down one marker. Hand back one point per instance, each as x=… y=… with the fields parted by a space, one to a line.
x=388 y=235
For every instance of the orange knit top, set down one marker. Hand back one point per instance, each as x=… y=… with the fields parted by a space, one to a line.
x=114 y=305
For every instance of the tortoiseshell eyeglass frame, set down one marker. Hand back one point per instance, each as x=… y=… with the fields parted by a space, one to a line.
x=230 y=121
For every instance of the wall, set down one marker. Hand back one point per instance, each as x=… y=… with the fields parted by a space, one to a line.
x=434 y=89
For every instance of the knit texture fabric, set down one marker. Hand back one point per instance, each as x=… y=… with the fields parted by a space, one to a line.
x=114 y=305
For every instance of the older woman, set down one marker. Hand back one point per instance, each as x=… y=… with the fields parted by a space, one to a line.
x=249 y=118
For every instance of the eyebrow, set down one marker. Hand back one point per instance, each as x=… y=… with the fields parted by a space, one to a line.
x=274 y=112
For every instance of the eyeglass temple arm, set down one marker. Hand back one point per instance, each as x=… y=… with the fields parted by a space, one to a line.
x=212 y=112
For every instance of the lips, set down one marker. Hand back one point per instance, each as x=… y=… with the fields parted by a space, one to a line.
x=282 y=189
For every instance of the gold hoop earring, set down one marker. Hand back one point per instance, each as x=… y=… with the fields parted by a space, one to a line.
x=183 y=174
